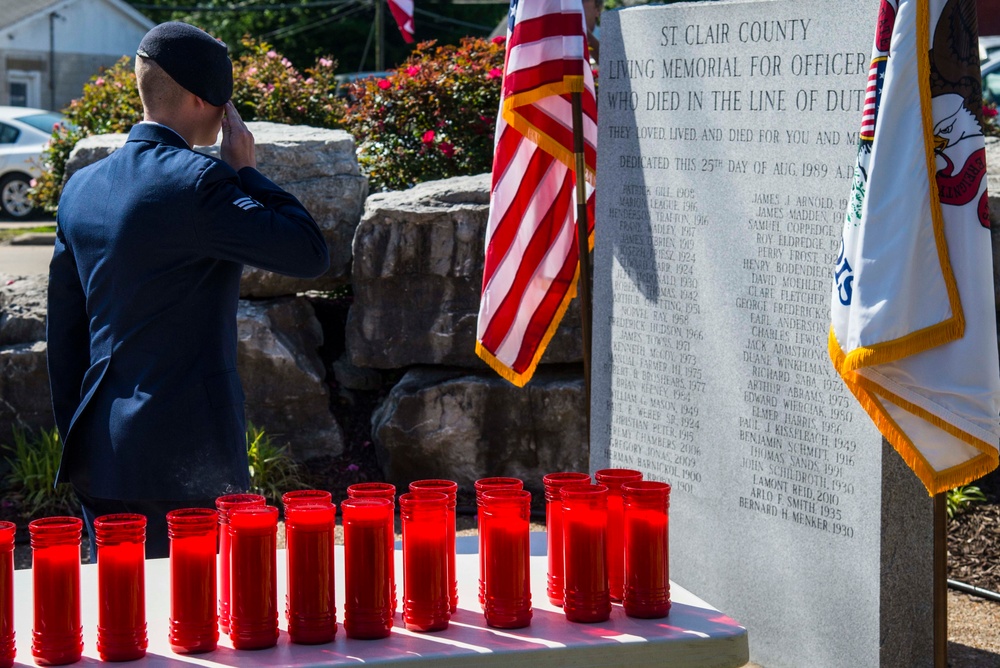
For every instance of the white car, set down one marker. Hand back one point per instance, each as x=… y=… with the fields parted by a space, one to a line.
x=23 y=134
x=991 y=80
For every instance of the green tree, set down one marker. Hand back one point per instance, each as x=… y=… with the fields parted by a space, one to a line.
x=303 y=30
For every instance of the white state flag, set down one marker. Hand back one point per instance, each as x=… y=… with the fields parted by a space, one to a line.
x=913 y=330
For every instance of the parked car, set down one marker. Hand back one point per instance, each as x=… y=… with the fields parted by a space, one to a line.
x=344 y=82
x=991 y=80
x=23 y=134
x=989 y=47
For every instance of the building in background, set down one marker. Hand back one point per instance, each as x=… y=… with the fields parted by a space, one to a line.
x=50 y=48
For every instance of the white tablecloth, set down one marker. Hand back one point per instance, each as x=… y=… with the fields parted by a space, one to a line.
x=694 y=634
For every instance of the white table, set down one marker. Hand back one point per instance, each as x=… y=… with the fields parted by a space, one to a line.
x=695 y=634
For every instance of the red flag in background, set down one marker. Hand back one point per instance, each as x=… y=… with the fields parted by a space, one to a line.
x=532 y=256
x=402 y=11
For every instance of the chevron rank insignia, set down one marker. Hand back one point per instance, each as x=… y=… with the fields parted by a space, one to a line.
x=248 y=203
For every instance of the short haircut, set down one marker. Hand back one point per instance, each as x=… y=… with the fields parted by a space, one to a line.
x=158 y=92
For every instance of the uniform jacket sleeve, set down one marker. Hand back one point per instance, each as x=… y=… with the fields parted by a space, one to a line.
x=247 y=218
x=67 y=334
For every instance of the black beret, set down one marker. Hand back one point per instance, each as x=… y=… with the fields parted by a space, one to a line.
x=193 y=58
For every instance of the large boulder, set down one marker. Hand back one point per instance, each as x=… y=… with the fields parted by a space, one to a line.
x=283 y=376
x=22 y=309
x=24 y=390
x=418 y=274
x=450 y=423
x=318 y=166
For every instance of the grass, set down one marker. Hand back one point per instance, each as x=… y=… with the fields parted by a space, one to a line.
x=7 y=234
x=34 y=462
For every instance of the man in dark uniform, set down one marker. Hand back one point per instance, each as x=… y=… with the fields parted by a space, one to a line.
x=143 y=291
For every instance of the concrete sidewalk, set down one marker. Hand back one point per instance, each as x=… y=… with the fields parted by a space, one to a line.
x=29 y=253
x=25 y=260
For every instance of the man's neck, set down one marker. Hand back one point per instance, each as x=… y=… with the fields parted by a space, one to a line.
x=164 y=125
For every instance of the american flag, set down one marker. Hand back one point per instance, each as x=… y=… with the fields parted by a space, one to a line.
x=402 y=11
x=532 y=256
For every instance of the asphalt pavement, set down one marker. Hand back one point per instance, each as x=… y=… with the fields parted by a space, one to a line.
x=28 y=254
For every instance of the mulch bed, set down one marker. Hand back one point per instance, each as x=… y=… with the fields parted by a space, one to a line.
x=974 y=540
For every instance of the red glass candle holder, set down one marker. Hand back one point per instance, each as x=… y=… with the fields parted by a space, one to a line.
x=450 y=489
x=368 y=554
x=372 y=490
x=121 y=586
x=194 y=626
x=311 y=608
x=8 y=649
x=380 y=490
x=304 y=496
x=613 y=479
x=482 y=486
x=426 y=590
x=224 y=504
x=508 y=553
x=554 y=482
x=253 y=615
x=647 y=571
x=57 y=634
x=586 y=597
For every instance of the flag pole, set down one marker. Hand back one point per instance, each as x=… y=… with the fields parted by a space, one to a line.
x=583 y=237
x=940 y=600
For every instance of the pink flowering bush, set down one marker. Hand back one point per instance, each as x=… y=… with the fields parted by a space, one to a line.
x=267 y=87
x=432 y=118
x=991 y=125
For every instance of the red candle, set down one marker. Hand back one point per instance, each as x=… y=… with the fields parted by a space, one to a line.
x=194 y=624
x=57 y=635
x=613 y=479
x=482 y=486
x=311 y=604
x=224 y=504
x=647 y=575
x=379 y=490
x=368 y=547
x=426 y=590
x=553 y=529
x=121 y=586
x=7 y=648
x=507 y=548
x=253 y=615
x=301 y=496
x=450 y=489
x=585 y=569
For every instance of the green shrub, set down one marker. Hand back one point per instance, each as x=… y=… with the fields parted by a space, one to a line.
x=960 y=499
x=109 y=103
x=272 y=470
x=432 y=118
x=34 y=462
x=266 y=87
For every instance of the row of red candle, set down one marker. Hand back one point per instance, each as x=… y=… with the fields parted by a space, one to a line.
x=582 y=551
x=607 y=542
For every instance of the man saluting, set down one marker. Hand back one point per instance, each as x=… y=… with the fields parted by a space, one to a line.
x=143 y=291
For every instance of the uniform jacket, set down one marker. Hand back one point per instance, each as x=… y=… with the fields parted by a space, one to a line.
x=143 y=290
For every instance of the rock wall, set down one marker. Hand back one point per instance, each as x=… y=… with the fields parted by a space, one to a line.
x=464 y=426
x=418 y=273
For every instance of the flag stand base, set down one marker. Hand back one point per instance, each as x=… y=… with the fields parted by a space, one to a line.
x=940 y=581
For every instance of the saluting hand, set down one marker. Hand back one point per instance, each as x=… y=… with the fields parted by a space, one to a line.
x=237 y=140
